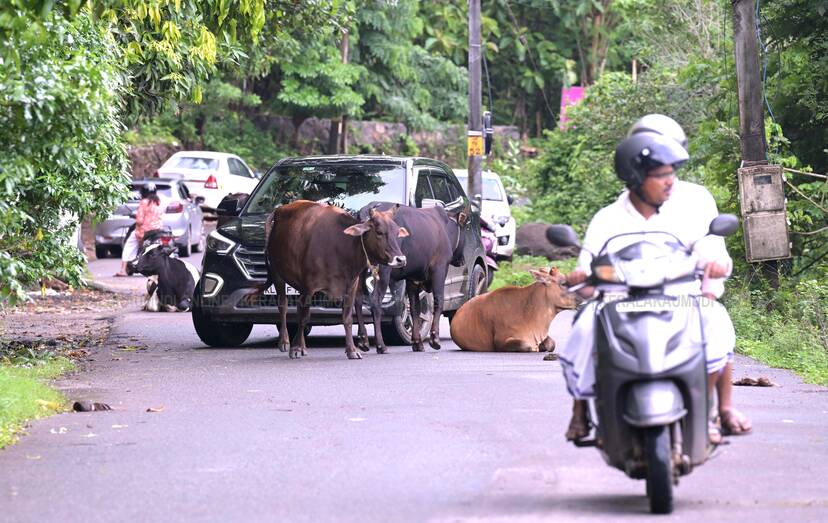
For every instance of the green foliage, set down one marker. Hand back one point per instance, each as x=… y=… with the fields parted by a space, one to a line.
x=796 y=33
x=404 y=82
x=784 y=329
x=317 y=83
x=574 y=174
x=60 y=93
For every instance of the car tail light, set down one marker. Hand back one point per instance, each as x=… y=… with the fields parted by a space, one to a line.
x=166 y=240
x=175 y=208
x=156 y=174
x=211 y=183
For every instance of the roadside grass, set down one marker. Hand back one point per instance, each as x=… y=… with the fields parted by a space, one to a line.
x=516 y=272
x=23 y=395
x=790 y=335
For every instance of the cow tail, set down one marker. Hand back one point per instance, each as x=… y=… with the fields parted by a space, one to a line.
x=271 y=219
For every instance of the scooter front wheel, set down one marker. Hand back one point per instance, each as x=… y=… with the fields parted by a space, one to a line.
x=659 y=469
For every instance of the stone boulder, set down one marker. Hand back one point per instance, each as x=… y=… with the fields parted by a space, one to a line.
x=531 y=241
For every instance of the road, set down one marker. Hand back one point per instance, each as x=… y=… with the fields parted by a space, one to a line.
x=248 y=434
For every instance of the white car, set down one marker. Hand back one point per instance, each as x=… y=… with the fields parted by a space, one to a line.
x=495 y=210
x=209 y=174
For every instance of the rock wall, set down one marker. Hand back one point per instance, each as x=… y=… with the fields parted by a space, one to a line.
x=530 y=240
x=145 y=159
x=447 y=144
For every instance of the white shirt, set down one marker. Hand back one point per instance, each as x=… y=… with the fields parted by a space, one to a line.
x=686 y=214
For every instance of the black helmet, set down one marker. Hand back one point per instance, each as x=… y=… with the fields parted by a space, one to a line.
x=642 y=152
x=148 y=189
x=659 y=124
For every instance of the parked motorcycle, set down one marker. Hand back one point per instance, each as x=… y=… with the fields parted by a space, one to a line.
x=489 y=239
x=650 y=410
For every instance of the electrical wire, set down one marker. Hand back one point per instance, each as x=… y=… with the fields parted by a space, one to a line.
x=488 y=81
x=764 y=50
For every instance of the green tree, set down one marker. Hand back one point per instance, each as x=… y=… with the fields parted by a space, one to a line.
x=71 y=74
x=317 y=83
x=405 y=82
x=63 y=156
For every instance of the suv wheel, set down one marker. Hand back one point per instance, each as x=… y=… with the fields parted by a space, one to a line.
x=199 y=247
x=478 y=282
x=217 y=334
x=399 y=330
x=101 y=252
x=184 y=251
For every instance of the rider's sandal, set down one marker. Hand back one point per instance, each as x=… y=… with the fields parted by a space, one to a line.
x=734 y=423
x=714 y=433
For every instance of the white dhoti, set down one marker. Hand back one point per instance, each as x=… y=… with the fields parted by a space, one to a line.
x=130 y=250
x=577 y=355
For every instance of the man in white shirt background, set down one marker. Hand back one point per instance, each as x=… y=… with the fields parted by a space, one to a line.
x=656 y=201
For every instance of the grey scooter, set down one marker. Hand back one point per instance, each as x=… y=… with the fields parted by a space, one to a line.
x=650 y=409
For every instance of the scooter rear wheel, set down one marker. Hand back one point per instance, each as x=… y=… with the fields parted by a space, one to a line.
x=659 y=470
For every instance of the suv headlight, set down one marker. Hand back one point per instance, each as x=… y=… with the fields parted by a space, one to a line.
x=502 y=220
x=219 y=244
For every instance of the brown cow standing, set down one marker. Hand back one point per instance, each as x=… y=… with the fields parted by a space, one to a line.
x=316 y=247
x=512 y=319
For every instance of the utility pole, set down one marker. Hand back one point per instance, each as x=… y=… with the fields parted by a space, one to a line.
x=749 y=83
x=474 y=137
x=761 y=186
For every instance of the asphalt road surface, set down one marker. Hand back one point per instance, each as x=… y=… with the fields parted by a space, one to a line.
x=248 y=434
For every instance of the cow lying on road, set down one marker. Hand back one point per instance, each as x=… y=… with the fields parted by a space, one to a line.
x=316 y=247
x=436 y=240
x=513 y=319
x=176 y=278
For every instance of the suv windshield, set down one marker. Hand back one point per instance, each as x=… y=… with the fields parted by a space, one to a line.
x=350 y=187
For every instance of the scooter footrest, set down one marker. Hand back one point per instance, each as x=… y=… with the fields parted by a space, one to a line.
x=585 y=442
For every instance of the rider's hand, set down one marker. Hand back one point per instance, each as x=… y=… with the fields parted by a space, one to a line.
x=712 y=270
x=578 y=276
x=715 y=270
x=575 y=277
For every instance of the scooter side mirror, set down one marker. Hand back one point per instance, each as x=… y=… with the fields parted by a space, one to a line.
x=562 y=236
x=723 y=225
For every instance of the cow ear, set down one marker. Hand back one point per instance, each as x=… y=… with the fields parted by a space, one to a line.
x=540 y=276
x=358 y=229
x=403 y=232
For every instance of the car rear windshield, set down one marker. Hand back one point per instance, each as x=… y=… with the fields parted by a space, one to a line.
x=491 y=189
x=350 y=187
x=194 y=162
x=163 y=191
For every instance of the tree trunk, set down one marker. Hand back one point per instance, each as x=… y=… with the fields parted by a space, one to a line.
x=343 y=135
x=297 y=120
x=333 y=137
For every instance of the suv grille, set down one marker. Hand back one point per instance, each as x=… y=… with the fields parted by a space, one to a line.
x=320 y=299
x=251 y=262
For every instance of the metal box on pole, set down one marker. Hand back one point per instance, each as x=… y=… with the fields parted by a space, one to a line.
x=762 y=200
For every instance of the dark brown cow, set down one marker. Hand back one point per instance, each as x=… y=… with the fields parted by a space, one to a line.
x=437 y=240
x=316 y=247
x=512 y=319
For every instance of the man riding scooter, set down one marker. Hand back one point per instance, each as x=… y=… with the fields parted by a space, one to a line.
x=656 y=201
